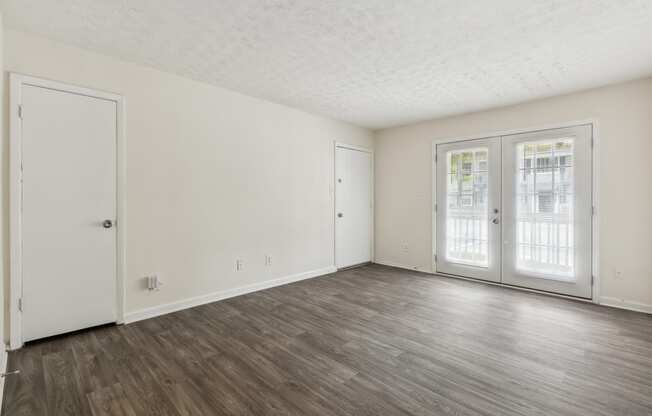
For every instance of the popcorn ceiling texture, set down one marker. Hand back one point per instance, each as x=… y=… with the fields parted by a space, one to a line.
x=372 y=63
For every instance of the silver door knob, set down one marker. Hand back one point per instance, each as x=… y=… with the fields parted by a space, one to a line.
x=495 y=220
x=340 y=215
x=107 y=224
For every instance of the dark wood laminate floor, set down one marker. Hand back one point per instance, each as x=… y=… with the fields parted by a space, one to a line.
x=368 y=341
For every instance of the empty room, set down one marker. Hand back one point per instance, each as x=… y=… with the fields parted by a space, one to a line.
x=326 y=207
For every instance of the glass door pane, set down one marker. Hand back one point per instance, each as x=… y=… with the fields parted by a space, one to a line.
x=544 y=209
x=467 y=214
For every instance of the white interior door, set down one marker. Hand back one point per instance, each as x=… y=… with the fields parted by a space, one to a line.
x=353 y=206
x=468 y=209
x=548 y=210
x=69 y=191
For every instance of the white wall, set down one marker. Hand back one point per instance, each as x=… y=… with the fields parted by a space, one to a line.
x=212 y=175
x=624 y=112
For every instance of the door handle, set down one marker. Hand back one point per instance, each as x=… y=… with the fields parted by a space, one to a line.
x=496 y=220
x=340 y=215
x=107 y=224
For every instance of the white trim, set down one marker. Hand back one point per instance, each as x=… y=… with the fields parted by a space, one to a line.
x=121 y=208
x=152 y=312
x=516 y=131
x=605 y=301
x=595 y=224
x=16 y=81
x=354 y=147
x=486 y=282
x=3 y=368
x=433 y=208
x=595 y=156
x=15 y=265
x=625 y=304
x=337 y=144
x=401 y=266
x=521 y=288
x=60 y=86
x=147 y=313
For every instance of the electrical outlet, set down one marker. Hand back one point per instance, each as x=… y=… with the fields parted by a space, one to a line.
x=268 y=260
x=405 y=248
x=239 y=265
x=152 y=282
x=618 y=274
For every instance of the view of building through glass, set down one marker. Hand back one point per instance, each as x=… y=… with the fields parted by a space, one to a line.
x=544 y=207
x=467 y=210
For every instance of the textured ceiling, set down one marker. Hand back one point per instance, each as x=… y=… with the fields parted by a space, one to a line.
x=372 y=63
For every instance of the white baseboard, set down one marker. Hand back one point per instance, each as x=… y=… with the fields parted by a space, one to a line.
x=625 y=304
x=147 y=313
x=400 y=266
x=229 y=293
x=603 y=300
x=3 y=368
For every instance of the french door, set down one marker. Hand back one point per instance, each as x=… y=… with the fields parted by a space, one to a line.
x=468 y=209
x=517 y=209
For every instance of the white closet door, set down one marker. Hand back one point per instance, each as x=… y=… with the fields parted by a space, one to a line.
x=547 y=210
x=69 y=204
x=468 y=209
x=353 y=207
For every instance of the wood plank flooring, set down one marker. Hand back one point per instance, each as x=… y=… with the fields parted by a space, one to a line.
x=368 y=341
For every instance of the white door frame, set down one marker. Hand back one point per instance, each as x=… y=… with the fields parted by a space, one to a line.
x=595 y=263
x=16 y=82
x=337 y=144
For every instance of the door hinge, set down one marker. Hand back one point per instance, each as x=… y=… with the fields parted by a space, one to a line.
x=593 y=211
x=435 y=207
x=435 y=157
x=435 y=258
x=20 y=111
x=592 y=280
x=20 y=304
